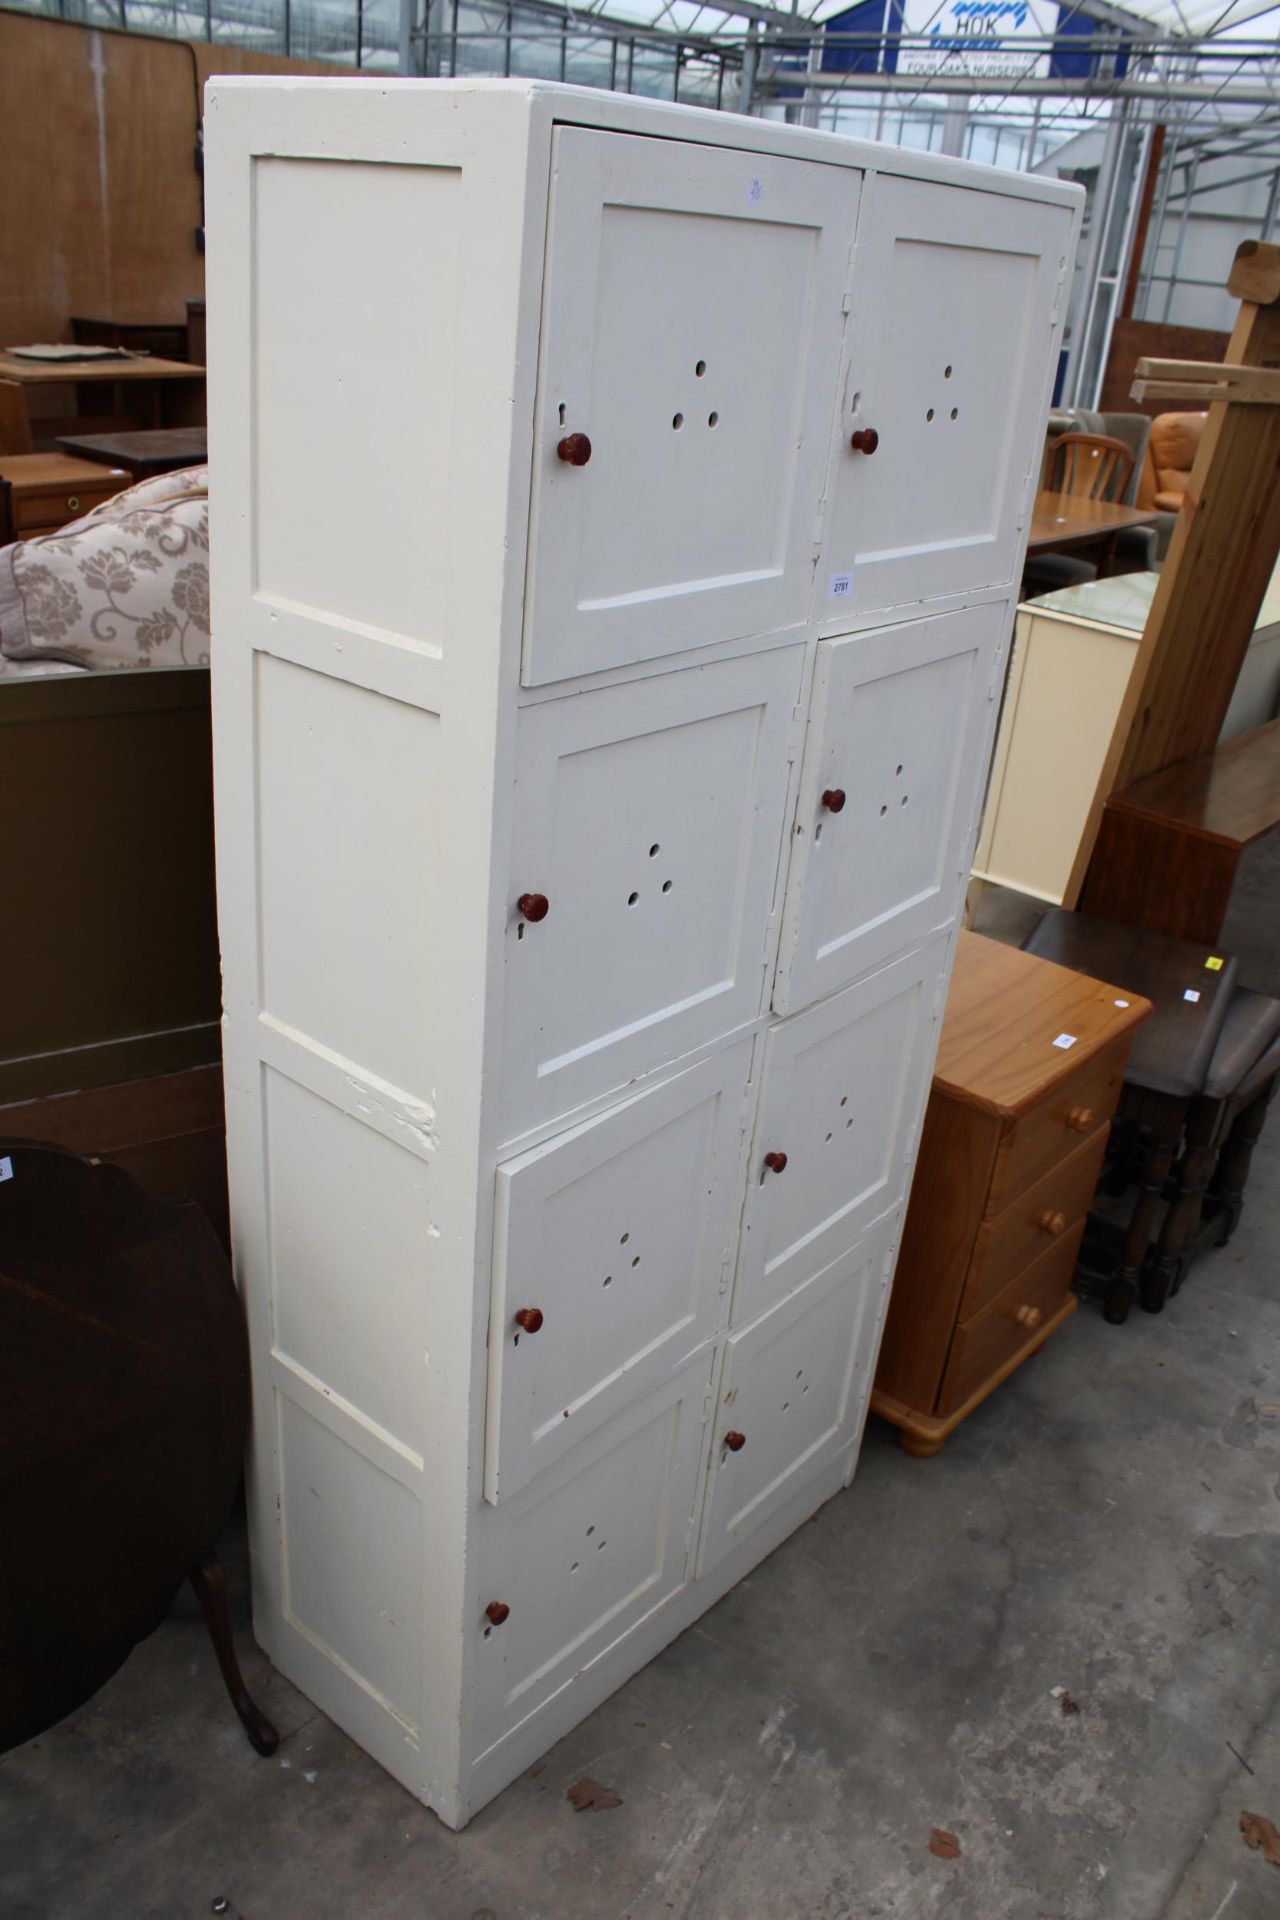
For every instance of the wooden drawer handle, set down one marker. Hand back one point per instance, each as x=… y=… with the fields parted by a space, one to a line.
x=574 y=449
x=865 y=440
x=1029 y=1317
x=496 y=1612
x=1080 y=1118
x=534 y=906
x=833 y=799
x=73 y=502
x=530 y=1318
x=735 y=1442
x=776 y=1162
x=1053 y=1222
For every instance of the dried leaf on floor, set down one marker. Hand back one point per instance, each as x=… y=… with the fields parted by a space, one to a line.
x=944 y=1844
x=1258 y=1831
x=587 y=1794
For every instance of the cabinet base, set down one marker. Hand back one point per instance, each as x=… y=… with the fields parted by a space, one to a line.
x=924 y=1434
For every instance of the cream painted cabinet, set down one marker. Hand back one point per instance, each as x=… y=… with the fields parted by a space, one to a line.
x=576 y=1043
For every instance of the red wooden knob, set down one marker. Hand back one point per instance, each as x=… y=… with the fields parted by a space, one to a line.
x=575 y=448
x=497 y=1611
x=534 y=906
x=865 y=440
x=833 y=799
x=735 y=1442
x=530 y=1318
x=776 y=1162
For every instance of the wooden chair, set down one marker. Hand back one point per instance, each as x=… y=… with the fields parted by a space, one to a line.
x=1090 y=465
x=15 y=423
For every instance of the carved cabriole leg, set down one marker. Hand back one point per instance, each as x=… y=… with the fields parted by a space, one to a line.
x=1232 y=1171
x=1191 y=1176
x=210 y=1584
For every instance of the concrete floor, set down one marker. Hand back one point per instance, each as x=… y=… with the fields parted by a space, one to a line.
x=1109 y=1523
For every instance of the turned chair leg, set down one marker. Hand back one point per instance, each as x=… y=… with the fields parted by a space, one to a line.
x=1232 y=1171
x=1162 y=1273
x=210 y=1584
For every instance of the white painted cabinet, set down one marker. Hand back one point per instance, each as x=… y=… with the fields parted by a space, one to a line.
x=576 y=1044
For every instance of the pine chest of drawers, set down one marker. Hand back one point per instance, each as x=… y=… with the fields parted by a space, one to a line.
x=1030 y=1065
x=596 y=785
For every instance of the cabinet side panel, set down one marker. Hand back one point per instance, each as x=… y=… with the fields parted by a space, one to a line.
x=354 y=329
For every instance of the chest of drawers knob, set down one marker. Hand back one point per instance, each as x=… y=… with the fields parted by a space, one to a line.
x=1053 y=1222
x=530 y=1318
x=1029 y=1317
x=735 y=1441
x=776 y=1162
x=496 y=1612
x=1080 y=1118
x=534 y=906
x=865 y=440
x=833 y=799
x=574 y=449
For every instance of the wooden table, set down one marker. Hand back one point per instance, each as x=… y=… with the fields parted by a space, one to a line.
x=161 y=450
x=167 y=392
x=40 y=492
x=1030 y=1066
x=1069 y=520
x=1169 y=846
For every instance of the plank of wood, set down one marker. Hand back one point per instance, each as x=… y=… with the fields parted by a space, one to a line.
x=1255 y=273
x=1210 y=591
x=1205 y=381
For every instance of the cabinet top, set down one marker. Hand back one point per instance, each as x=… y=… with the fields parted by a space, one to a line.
x=1016 y=1025
x=548 y=102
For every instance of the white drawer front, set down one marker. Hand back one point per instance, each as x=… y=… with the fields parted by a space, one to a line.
x=692 y=519
x=588 y=1551
x=792 y=1392
x=614 y=1244
x=841 y=1092
x=649 y=818
x=948 y=343
x=889 y=796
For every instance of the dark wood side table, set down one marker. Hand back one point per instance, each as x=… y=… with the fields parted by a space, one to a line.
x=168 y=338
x=1169 y=846
x=43 y=491
x=144 y=453
x=1030 y=1067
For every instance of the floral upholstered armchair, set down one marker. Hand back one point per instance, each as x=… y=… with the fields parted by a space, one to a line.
x=126 y=586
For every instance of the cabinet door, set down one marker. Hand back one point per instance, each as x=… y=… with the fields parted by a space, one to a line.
x=950 y=340
x=649 y=820
x=691 y=326
x=588 y=1551
x=889 y=796
x=613 y=1243
x=793 y=1392
x=840 y=1098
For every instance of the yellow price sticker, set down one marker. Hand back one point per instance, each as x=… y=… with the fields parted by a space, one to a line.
x=1214 y=963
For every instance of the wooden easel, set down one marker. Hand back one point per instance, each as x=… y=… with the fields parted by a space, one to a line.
x=1222 y=555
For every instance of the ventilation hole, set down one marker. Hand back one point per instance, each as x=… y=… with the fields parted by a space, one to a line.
x=574 y=1567
x=904 y=799
x=607 y=1281
x=516 y=1341
x=955 y=413
x=817 y=832
x=883 y=812
x=828 y=1136
x=857 y=401
x=565 y=1414
x=635 y=1260
x=487 y=1632
x=804 y=1389
x=701 y=368
x=632 y=898
x=677 y=421
x=624 y=1240
x=946 y=373
x=666 y=886
x=520 y=930
x=713 y=419
x=929 y=415
x=601 y=1545
x=654 y=851
x=800 y=1375
x=590 y=1531
x=844 y=1099
x=849 y=1122
x=898 y=768
x=563 y=415
x=785 y=1405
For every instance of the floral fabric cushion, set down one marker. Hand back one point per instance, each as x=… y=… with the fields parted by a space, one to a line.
x=126 y=586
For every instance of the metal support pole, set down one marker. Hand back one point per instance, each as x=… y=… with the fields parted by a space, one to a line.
x=750 y=63
x=1192 y=171
x=1094 y=255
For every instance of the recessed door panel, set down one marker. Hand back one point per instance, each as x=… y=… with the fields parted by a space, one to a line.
x=584 y=1554
x=648 y=829
x=889 y=796
x=689 y=358
x=946 y=384
x=838 y=1108
x=612 y=1255
x=792 y=1392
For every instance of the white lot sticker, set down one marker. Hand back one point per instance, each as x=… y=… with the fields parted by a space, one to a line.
x=1191 y=994
x=6 y=1168
x=1065 y=1040
x=840 y=586
x=755 y=192
x=1121 y=1003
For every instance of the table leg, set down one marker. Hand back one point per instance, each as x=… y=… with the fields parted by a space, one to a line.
x=210 y=1583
